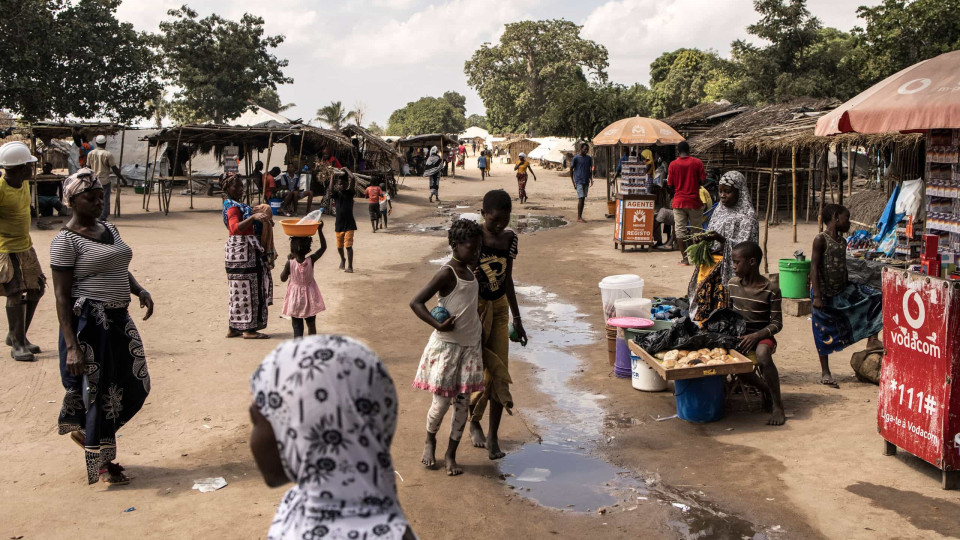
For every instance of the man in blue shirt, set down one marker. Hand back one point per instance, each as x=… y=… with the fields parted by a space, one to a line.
x=581 y=172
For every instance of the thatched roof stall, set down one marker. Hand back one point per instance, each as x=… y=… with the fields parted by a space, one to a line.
x=45 y=131
x=302 y=144
x=700 y=118
x=426 y=141
x=378 y=153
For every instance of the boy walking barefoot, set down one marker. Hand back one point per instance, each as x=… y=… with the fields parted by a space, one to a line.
x=757 y=300
x=373 y=193
x=843 y=312
x=497 y=299
x=342 y=189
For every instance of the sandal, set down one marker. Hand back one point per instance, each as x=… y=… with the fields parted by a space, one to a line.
x=233 y=334
x=115 y=475
x=256 y=335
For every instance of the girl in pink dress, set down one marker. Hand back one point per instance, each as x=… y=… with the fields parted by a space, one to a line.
x=303 y=300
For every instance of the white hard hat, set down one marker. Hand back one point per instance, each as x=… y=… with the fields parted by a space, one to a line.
x=101 y=139
x=522 y=154
x=15 y=153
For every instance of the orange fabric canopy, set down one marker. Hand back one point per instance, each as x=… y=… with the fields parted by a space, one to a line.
x=923 y=96
x=637 y=130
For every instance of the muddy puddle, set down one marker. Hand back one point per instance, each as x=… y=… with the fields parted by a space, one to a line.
x=446 y=215
x=563 y=470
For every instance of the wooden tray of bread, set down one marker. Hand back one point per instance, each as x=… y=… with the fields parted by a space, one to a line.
x=675 y=364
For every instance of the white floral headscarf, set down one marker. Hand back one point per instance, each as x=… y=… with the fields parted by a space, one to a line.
x=333 y=409
x=737 y=224
x=79 y=182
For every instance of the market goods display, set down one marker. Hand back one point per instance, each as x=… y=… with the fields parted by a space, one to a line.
x=699 y=254
x=679 y=359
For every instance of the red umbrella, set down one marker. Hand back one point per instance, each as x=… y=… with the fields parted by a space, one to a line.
x=923 y=96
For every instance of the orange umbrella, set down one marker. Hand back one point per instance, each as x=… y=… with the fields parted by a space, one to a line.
x=637 y=131
x=923 y=96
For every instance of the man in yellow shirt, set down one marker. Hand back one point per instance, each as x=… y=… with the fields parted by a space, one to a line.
x=21 y=278
x=522 y=167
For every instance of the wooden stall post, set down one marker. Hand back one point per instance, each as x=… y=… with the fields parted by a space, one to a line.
x=823 y=185
x=766 y=221
x=116 y=204
x=266 y=168
x=153 y=174
x=146 y=169
x=793 y=171
x=811 y=180
x=190 y=177
x=167 y=193
x=839 y=175
x=850 y=169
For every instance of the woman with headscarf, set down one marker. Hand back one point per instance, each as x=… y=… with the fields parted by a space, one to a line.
x=324 y=414
x=734 y=221
x=102 y=363
x=432 y=168
x=248 y=261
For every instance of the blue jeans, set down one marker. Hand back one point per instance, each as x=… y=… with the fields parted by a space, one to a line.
x=106 y=202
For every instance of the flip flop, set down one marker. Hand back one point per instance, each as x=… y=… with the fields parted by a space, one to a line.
x=829 y=382
x=231 y=335
x=256 y=335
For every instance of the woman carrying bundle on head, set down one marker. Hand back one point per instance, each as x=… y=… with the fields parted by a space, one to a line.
x=432 y=168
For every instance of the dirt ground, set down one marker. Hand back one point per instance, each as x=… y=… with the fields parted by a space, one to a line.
x=821 y=475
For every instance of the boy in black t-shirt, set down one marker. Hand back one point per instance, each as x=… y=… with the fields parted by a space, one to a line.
x=342 y=189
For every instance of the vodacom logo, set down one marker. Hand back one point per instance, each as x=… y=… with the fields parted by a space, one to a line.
x=914 y=322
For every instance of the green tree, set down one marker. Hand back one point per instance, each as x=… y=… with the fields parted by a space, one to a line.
x=159 y=107
x=456 y=100
x=900 y=33
x=789 y=31
x=534 y=62
x=426 y=115
x=218 y=65
x=333 y=115
x=477 y=120
x=65 y=58
x=376 y=129
x=269 y=99
x=686 y=82
x=583 y=110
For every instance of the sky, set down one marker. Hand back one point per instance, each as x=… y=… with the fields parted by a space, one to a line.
x=385 y=53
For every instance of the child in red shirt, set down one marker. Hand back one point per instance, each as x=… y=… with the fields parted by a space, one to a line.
x=373 y=196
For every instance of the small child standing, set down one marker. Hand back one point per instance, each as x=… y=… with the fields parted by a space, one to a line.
x=843 y=312
x=386 y=206
x=482 y=164
x=303 y=300
x=758 y=300
x=451 y=366
x=373 y=193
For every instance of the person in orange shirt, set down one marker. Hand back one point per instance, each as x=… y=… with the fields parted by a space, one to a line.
x=270 y=183
x=373 y=195
x=522 y=167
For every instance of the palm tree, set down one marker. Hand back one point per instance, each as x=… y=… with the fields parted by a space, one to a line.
x=333 y=115
x=159 y=107
x=358 y=112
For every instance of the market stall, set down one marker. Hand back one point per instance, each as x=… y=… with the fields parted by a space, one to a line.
x=919 y=402
x=442 y=141
x=630 y=196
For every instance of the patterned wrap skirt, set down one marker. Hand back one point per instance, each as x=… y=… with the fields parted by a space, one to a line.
x=448 y=369
x=522 y=185
x=851 y=316
x=115 y=383
x=250 y=283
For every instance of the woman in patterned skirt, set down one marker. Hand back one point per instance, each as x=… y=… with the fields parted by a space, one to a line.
x=102 y=364
x=248 y=264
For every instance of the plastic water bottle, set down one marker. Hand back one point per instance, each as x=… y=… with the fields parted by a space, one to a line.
x=312 y=216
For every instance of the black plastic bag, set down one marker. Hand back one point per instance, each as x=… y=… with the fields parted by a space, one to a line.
x=722 y=329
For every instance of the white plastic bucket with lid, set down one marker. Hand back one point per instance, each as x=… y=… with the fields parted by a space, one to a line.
x=645 y=378
x=613 y=288
x=633 y=307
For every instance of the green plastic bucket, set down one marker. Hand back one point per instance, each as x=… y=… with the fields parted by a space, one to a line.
x=793 y=278
x=632 y=333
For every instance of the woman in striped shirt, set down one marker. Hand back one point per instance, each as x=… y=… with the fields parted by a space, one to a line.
x=102 y=363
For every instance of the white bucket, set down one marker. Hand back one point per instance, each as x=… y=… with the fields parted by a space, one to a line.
x=613 y=288
x=645 y=378
x=633 y=307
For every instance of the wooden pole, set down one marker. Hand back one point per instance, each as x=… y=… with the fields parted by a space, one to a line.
x=116 y=204
x=190 y=177
x=766 y=221
x=266 y=168
x=825 y=157
x=146 y=170
x=812 y=183
x=176 y=162
x=775 y=211
x=793 y=164
x=153 y=175
x=839 y=175
x=300 y=162
x=850 y=170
